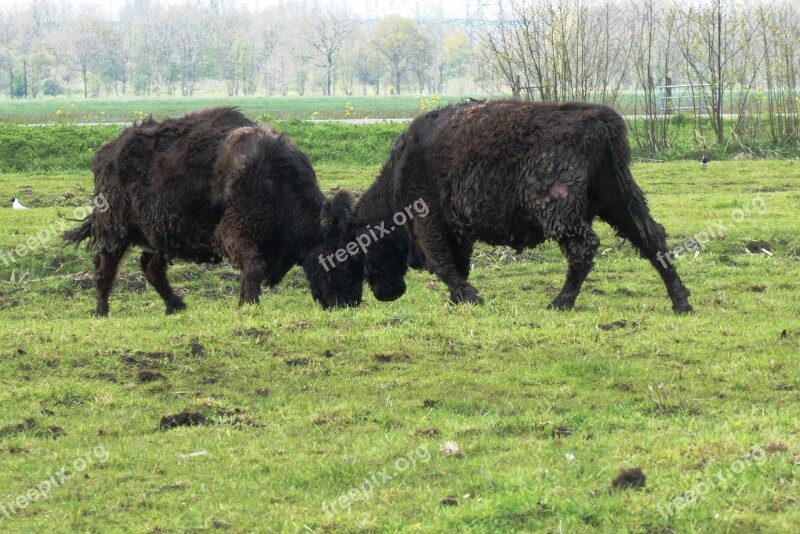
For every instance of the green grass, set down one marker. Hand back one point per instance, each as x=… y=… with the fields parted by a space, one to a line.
x=70 y=148
x=304 y=405
x=69 y=110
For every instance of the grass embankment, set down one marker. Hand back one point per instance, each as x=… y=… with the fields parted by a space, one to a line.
x=303 y=405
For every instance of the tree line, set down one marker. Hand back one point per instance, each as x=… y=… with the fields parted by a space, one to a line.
x=732 y=64
x=149 y=48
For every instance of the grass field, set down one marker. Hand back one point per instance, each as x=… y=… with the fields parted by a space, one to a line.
x=69 y=110
x=342 y=421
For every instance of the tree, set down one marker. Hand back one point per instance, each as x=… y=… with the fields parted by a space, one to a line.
x=456 y=49
x=561 y=50
x=85 y=52
x=326 y=33
x=714 y=40
x=399 y=41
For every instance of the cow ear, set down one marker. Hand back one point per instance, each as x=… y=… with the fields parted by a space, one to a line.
x=335 y=212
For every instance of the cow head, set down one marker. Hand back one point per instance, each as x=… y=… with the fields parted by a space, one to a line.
x=335 y=266
x=386 y=265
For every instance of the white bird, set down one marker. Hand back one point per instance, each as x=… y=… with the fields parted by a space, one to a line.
x=704 y=161
x=16 y=205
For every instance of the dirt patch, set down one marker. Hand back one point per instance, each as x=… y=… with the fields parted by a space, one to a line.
x=755 y=247
x=27 y=424
x=220 y=524
x=146 y=375
x=386 y=358
x=428 y=432
x=430 y=403
x=196 y=348
x=629 y=479
x=611 y=326
x=168 y=422
x=262 y=392
x=297 y=362
x=7 y=302
x=56 y=431
x=758 y=289
x=108 y=377
x=776 y=447
x=561 y=431
x=449 y=501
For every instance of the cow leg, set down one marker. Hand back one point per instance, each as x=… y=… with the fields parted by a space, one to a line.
x=154 y=267
x=106 y=264
x=246 y=256
x=655 y=250
x=579 y=247
x=448 y=257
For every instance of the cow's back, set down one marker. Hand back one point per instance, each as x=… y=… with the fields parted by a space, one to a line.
x=158 y=178
x=496 y=165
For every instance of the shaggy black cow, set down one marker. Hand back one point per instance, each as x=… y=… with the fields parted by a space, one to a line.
x=201 y=187
x=503 y=172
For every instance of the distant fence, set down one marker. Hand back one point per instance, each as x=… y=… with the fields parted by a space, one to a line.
x=691 y=98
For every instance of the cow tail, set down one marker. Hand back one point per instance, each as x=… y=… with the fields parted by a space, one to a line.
x=82 y=232
x=633 y=197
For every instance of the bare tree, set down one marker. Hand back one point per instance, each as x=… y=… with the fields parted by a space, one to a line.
x=714 y=39
x=561 y=49
x=326 y=33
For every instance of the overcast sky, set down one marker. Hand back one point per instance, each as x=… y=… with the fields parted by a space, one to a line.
x=365 y=9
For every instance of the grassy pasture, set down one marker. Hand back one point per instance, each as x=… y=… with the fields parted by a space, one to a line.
x=545 y=408
x=70 y=110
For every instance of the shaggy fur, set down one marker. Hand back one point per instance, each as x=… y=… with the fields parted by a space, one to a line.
x=198 y=188
x=507 y=173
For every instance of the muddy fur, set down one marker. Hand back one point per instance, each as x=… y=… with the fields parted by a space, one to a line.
x=202 y=187
x=507 y=173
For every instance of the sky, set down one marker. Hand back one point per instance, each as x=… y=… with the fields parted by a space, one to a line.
x=365 y=9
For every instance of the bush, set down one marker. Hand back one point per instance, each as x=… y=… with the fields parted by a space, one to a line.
x=51 y=87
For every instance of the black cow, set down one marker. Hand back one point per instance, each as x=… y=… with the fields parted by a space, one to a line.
x=202 y=187
x=504 y=172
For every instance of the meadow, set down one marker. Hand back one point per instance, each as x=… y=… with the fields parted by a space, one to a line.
x=414 y=415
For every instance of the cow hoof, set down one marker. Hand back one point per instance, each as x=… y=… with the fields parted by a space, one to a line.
x=682 y=309
x=100 y=314
x=466 y=295
x=560 y=306
x=175 y=306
